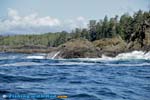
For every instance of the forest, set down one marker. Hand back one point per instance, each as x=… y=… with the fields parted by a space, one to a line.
x=124 y=26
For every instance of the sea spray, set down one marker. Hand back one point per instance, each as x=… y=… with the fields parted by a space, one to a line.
x=129 y=55
x=35 y=57
x=134 y=55
x=55 y=55
x=122 y=56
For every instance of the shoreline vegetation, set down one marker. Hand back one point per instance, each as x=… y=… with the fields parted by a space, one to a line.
x=108 y=36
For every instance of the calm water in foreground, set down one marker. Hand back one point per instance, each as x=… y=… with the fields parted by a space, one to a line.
x=79 y=79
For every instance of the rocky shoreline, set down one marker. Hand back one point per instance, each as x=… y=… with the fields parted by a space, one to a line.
x=78 y=48
x=82 y=48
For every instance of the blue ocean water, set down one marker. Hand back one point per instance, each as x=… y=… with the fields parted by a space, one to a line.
x=79 y=79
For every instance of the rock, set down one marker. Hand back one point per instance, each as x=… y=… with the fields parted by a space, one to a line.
x=78 y=48
x=147 y=38
x=140 y=42
x=82 y=48
x=111 y=46
x=134 y=45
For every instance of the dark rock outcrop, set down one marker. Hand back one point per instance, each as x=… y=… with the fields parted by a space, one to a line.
x=78 y=48
x=111 y=46
x=82 y=48
x=140 y=41
x=140 y=38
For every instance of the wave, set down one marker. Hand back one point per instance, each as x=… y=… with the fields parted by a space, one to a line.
x=70 y=63
x=36 y=57
x=14 y=78
x=22 y=64
x=134 y=55
x=75 y=64
x=84 y=96
x=8 y=57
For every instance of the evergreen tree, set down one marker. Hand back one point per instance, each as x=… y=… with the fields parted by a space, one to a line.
x=92 y=29
x=105 y=27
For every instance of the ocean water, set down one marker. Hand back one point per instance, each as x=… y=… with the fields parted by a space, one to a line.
x=125 y=77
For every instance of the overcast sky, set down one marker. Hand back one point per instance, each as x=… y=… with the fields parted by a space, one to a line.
x=39 y=16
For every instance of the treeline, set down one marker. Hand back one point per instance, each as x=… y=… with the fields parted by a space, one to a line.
x=108 y=28
x=47 y=39
x=125 y=26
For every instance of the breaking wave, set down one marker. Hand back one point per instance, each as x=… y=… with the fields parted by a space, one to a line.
x=22 y=64
x=134 y=55
x=35 y=57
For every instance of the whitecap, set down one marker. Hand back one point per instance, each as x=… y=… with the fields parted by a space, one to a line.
x=22 y=64
x=134 y=55
x=35 y=57
x=70 y=63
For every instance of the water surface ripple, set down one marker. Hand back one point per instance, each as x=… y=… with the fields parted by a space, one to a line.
x=79 y=79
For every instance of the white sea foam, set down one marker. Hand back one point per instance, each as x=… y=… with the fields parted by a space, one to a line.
x=129 y=56
x=122 y=56
x=22 y=64
x=8 y=57
x=134 y=55
x=70 y=63
x=55 y=55
x=35 y=57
